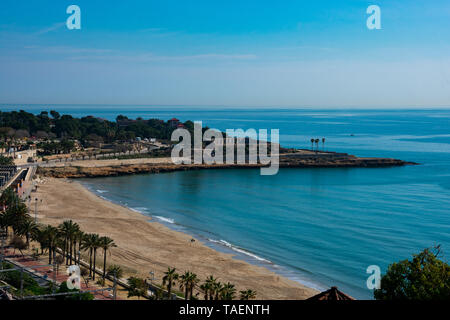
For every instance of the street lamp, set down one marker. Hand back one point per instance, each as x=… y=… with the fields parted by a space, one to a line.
x=152 y=276
x=35 y=209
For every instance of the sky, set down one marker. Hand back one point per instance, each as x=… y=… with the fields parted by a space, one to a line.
x=316 y=53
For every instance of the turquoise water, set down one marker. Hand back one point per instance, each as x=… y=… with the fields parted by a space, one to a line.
x=323 y=226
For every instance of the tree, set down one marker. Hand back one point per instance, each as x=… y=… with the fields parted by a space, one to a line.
x=425 y=277
x=187 y=282
x=55 y=114
x=59 y=260
x=106 y=244
x=137 y=287
x=228 y=292
x=18 y=243
x=51 y=235
x=84 y=273
x=95 y=245
x=247 y=294
x=115 y=270
x=91 y=243
x=28 y=228
x=6 y=161
x=217 y=289
x=170 y=276
x=81 y=296
x=69 y=230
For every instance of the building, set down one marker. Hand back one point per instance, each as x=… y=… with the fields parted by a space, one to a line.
x=174 y=122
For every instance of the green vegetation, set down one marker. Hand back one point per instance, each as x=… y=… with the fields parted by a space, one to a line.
x=82 y=296
x=424 y=277
x=114 y=270
x=14 y=278
x=137 y=287
x=247 y=294
x=67 y=237
x=6 y=161
x=53 y=147
x=211 y=289
x=17 y=124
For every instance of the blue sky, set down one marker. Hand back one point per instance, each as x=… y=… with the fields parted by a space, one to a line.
x=237 y=53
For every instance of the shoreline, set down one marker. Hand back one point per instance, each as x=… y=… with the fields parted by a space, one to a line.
x=151 y=245
x=105 y=168
x=222 y=246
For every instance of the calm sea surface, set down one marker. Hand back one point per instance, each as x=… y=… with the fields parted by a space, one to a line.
x=321 y=227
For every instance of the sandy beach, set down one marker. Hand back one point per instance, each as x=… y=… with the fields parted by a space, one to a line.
x=144 y=246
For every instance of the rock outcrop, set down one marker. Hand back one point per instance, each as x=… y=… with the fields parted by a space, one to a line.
x=286 y=161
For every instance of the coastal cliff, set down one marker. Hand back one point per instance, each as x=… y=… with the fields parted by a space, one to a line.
x=331 y=160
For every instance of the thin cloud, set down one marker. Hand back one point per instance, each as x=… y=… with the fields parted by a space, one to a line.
x=149 y=57
x=51 y=28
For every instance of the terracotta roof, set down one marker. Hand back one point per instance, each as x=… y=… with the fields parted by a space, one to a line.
x=332 y=294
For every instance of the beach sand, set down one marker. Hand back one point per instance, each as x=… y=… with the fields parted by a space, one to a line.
x=144 y=246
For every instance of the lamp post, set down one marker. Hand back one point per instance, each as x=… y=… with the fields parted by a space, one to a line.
x=152 y=276
x=35 y=209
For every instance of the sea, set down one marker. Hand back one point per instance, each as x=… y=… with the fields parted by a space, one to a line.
x=321 y=227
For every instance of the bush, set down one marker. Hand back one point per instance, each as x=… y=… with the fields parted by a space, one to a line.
x=425 y=277
x=6 y=161
x=81 y=296
x=13 y=278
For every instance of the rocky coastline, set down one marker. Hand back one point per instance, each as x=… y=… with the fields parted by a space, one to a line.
x=293 y=160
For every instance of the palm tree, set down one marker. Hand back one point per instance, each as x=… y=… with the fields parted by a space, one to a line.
x=106 y=244
x=184 y=284
x=65 y=230
x=317 y=144
x=323 y=144
x=79 y=236
x=169 y=279
x=74 y=229
x=137 y=287
x=205 y=288
x=95 y=245
x=228 y=292
x=68 y=231
x=248 y=294
x=187 y=282
x=312 y=144
x=193 y=280
x=88 y=243
x=7 y=220
x=41 y=237
x=51 y=234
x=210 y=283
x=217 y=289
x=115 y=270
x=28 y=228
x=16 y=214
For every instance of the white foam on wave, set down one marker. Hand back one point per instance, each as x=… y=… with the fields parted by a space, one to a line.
x=168 y=220
x=142 y=210
x=234 y=248
x=101 y=191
